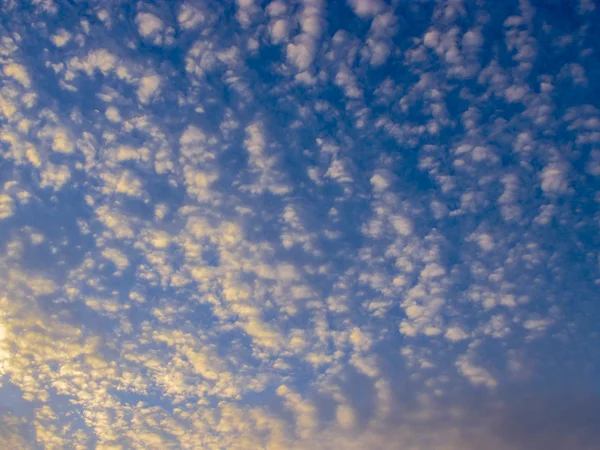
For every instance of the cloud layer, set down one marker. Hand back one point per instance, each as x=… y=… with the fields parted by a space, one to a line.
x=299 y=225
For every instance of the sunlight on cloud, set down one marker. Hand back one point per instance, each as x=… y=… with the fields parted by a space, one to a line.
x=299 y=225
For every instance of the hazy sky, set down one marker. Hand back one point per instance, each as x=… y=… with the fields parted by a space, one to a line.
x=314 y=224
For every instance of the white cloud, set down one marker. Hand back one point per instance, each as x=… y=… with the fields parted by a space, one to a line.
x=586 y=6
x=148 y=88
x=477 y=375
x=346 y=416
x=112 y=114
x=97 y=60
x=366 y=8
x=301 y=52
x=123 y=182
x=6 y=206
x=279 y=30
x=593 y=166
x=402 y=225
x=515 y=93
x=484 y=240
x=279 y=222
x=117 y=257
x=472 y=39
x=537 y=325
x=55 y=176
x=554 y=179
x=61 y=38
x=148 y=24
x=18 y=72
x=276 y=8
x=263 y=163
x=190 y=17
x=61 y=142
x=455 y=334
x=431 y=38
x=246 y=10
x=379 y=182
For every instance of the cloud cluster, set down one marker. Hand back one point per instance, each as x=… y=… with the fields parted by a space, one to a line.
x=298 y=225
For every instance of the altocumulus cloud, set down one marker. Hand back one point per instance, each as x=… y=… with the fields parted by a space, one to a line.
x=299 y=225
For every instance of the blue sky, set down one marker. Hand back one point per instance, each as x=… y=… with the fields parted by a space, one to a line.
x=299 y=225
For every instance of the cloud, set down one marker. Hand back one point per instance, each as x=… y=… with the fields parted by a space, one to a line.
x=112 y=114
x=148 y=88
x=61 y=38
x=319 y=225
x=18 y=72
x=554 y=179
x=455 y=334
x=477 y=375
x=301 y=52
x=148 y=24
x=55 y=176
x=190 y=17
x=279 y=30
x=366 y=8
x=123 y=182
x=117 y=257
x=6 y=206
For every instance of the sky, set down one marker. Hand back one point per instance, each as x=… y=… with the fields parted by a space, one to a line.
x=361 y=224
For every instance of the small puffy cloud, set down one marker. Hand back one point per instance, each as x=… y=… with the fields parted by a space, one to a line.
x=190 y=17
x=55 y=176
x=18 y=72
x=246 y=10
x=160 y=211
x=360 y=340
x=6 y=206
x=103 y=305
x=537 y=325
x=124 y=182
x=61 y=142
x=575 y=72
x=116 y=222
x=366 y=8
x=61 y=38
x=367 y=365
x=262 y=162
x=472 y=39
x=279 y=30
x=304 y=411
x=586 y=6
x=128 y=153
x=483 y=240
x=593 y=166
x=117 y=257
x=554 y=179
x=455 y=334
x=515 y=93
x=104 y=16
x=301 y=52
x=432 y=270
x=402 y=225
x=99 y=60
x=148 y=87
x=276 y=8
x=346 y=417
x=380 y=182
x=148 y=24
x=160 y=239
x=112 y=114
x=431 y=38
x=379 y=51
x=477 y=375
